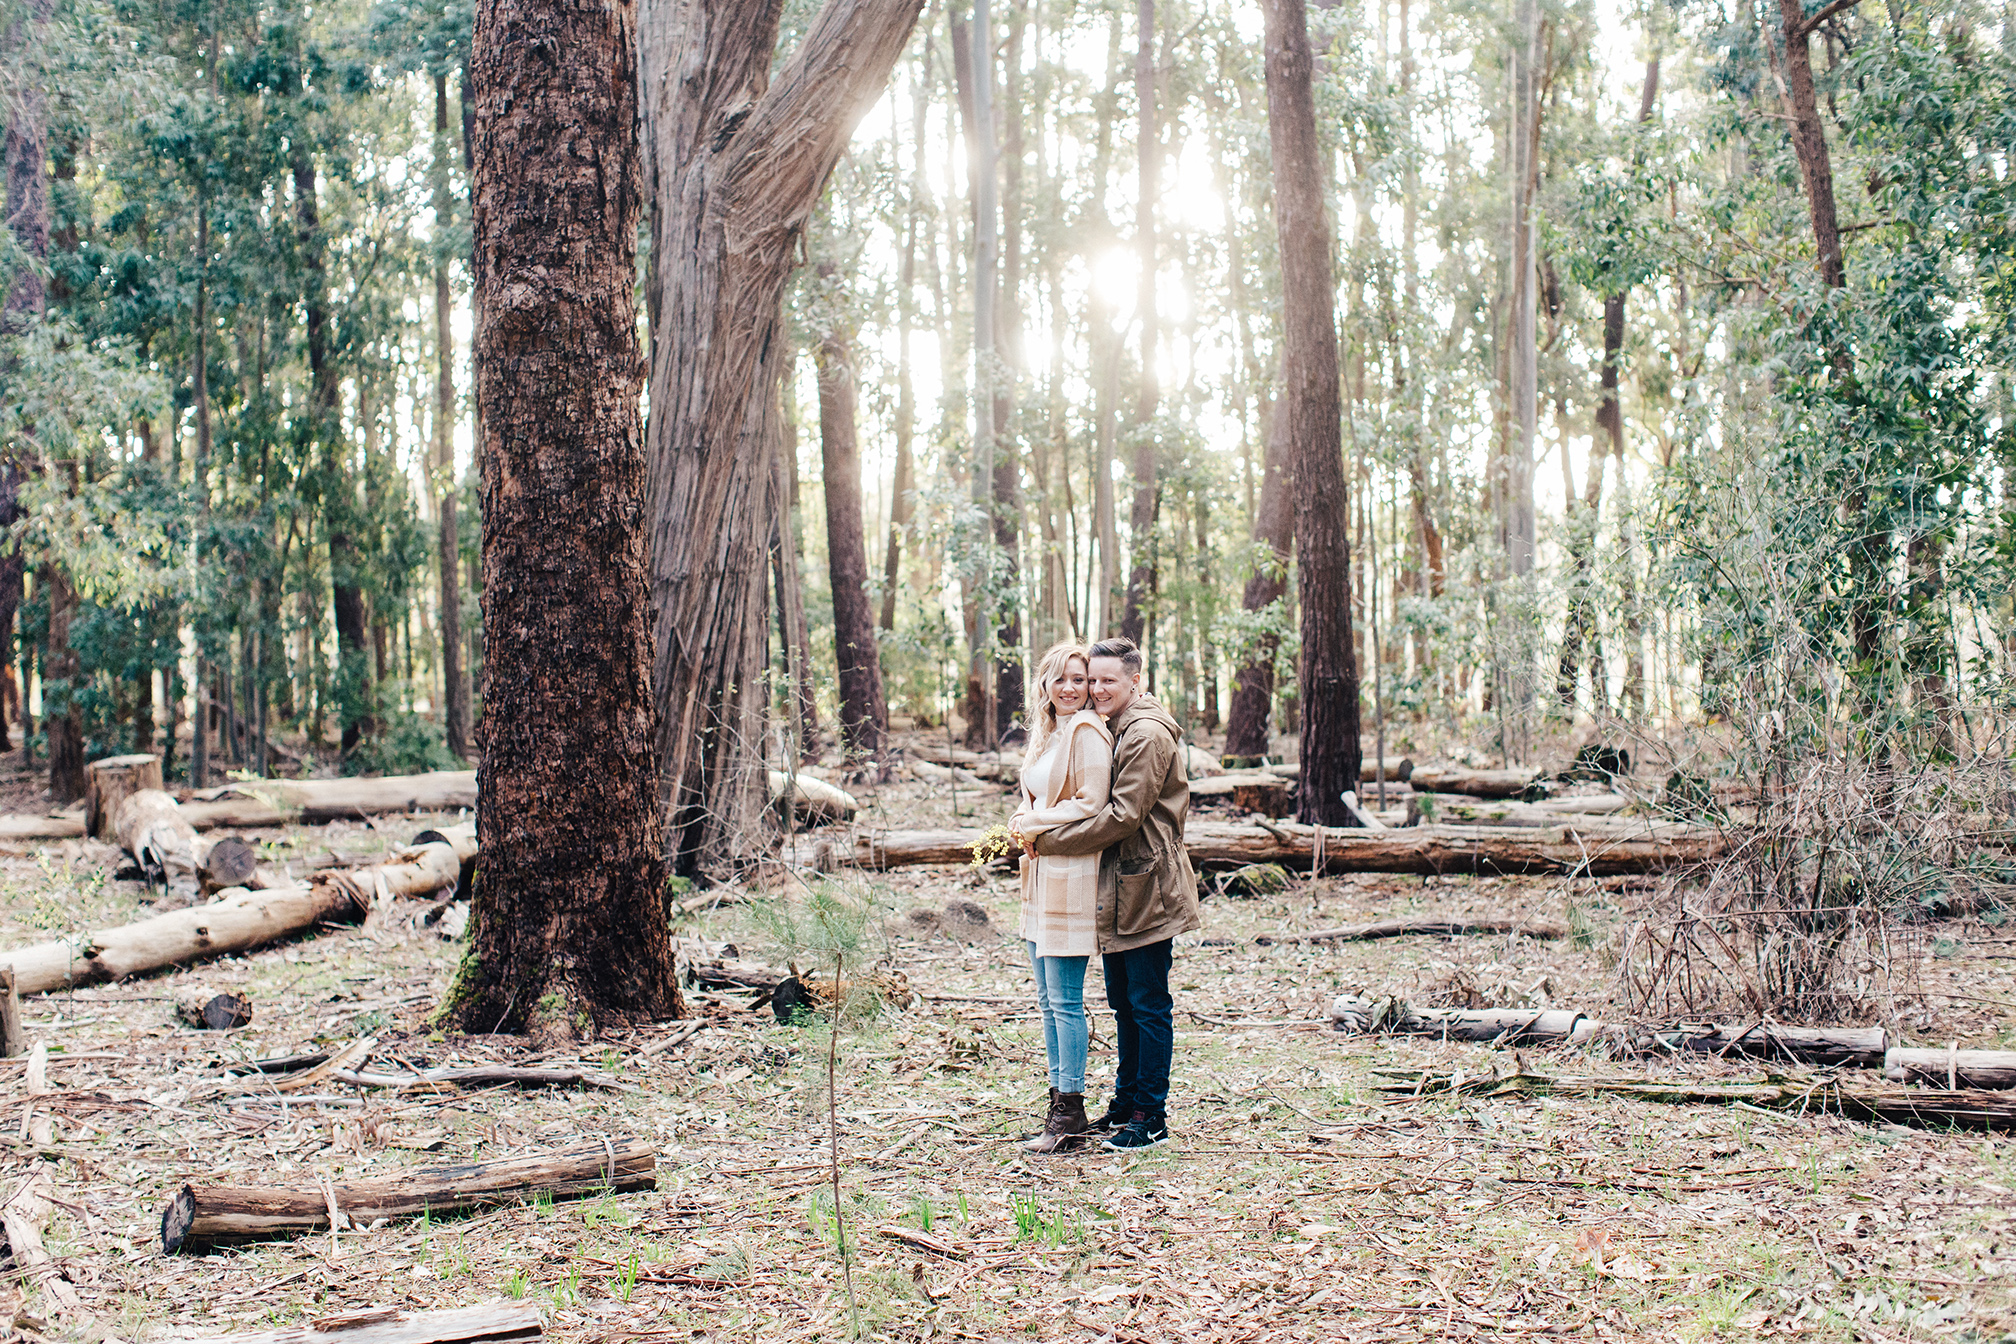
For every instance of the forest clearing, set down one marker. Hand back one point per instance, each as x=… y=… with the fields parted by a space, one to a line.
x=1298 y=1201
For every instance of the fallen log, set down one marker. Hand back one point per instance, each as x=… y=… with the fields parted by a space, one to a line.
x=238 y=920
x=1818 y=1095
x=813 y=800
x=1572 y=847
x=202 y=1215
x=1455 y=809
x=496 y=1323
x=1476 y=783
x=481 y=1075
x=1396 y=769
x=27 y=826
x=1400 y=928
x=1827 y=1047
x=1990 y=1070
x=316 y=801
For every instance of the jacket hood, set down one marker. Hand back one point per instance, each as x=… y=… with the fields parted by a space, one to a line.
x=1146 y=706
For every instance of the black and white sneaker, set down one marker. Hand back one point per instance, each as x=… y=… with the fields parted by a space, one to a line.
x=1143 y=1131
x=1117 y=1115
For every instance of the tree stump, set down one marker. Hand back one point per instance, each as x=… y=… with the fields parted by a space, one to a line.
x=1269 y=799
x=12 y=1042
x=109 y=782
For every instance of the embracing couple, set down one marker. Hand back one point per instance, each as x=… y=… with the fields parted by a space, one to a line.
x=1105 y=792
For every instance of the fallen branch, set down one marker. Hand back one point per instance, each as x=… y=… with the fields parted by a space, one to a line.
x=1819 y=1095
x=1398 y=928
x=22 y=1219
x=496 y=1323
x=201 y=1216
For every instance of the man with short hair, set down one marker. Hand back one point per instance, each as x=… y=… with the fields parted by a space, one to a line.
x=1147 y=889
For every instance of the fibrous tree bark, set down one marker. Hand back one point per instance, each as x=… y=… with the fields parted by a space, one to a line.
x=454 y=679
x=1328 y=684
x=1273 y=527
x=569 y=916
x=738 y=163
x=864 y=718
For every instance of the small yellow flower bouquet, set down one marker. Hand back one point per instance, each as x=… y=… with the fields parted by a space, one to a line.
x=998 y=842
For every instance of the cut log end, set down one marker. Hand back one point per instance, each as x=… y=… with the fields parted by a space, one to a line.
x=177 y=1220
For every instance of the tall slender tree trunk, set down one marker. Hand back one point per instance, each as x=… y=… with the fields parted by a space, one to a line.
x=26 y=197
x=569 y=928
x=903 y=489
x=1328 y=685
x=1246 y=733
x=1148 y=156
x=448 y=549
x=864 y=718
x=794 y=636
x=1870 y=548
x=1008 y=503
x=1582 y=623
x=737 y=165
x=1522 y=391
x=346 y=579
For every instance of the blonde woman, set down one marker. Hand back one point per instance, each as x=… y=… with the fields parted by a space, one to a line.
x=1067 y=774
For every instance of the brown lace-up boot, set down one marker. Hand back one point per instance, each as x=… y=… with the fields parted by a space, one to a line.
x=1049 y=1110
x=1066 y=1128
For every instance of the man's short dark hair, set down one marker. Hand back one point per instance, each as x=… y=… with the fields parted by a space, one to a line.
x=1121 y=647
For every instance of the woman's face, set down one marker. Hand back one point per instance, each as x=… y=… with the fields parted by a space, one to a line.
x=1068 y=687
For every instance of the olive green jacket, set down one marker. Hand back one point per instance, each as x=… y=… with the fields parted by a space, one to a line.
x=1147 y=889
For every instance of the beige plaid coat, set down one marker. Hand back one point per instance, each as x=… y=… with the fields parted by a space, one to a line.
x=1070 y=781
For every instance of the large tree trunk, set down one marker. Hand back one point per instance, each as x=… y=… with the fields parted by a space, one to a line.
x=738 y=164
x=864 y=719
x=1148 y=156
x=569 y=914
x=454 y=680
x=1009 y=699
x=1328 y=687
x=1273 y=527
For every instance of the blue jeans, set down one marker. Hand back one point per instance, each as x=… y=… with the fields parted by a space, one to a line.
x=1144 y=1025
x=1060 y=993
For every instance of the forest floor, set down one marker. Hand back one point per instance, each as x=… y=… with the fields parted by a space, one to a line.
x=1295 y=1203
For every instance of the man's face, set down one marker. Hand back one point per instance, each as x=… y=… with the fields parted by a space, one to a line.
x=1113 y=686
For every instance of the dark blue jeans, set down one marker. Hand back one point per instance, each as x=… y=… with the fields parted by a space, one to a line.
x=1144 y=1024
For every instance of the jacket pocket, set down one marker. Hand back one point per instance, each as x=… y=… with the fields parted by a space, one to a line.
x=1140 y=907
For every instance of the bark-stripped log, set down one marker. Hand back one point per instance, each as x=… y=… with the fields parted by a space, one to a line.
x=1476 y=783
x=1569 y=848
x=1993 y=1070
x=201 y=1215
x=236 y=921
x=497 y=1323
x=316 y=801
x=28 y=826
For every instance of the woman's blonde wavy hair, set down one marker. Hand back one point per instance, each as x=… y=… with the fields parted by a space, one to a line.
x=1041 y=711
